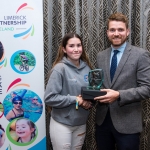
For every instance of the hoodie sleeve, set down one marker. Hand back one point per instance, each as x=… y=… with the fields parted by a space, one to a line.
x=53 y=90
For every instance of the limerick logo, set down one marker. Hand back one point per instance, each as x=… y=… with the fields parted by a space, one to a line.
x=25 y=34
x=24 y=6
x=3 y=60
x=29 y=31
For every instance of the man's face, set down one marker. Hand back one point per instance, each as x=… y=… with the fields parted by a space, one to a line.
x=117 y=33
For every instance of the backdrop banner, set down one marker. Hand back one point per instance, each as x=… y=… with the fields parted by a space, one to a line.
x=22 y=109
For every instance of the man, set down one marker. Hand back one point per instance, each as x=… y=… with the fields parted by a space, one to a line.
x=119 y=112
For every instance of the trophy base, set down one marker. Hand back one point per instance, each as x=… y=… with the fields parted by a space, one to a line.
x=89 y=94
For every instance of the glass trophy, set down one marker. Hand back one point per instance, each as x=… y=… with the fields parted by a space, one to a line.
x=95 y=79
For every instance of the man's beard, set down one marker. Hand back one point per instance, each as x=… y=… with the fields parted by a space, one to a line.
x=119 y=44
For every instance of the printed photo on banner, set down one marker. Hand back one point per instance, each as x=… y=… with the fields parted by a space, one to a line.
x=23 y=62
x=1 y=50
x=3 y=60
x=1 y=110
x=22 y=103
x=22 y=131
x=2 y=135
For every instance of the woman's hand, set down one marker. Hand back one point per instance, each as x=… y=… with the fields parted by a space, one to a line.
x=83 y=103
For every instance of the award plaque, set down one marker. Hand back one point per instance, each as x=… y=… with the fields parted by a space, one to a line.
x=95 y=79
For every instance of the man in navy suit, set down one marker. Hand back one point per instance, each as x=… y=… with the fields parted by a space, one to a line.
x=119 y=112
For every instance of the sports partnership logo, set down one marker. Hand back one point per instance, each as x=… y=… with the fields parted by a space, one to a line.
x=24 y=6
x=86 y=78
x=30 y=30
x=20 y=23
x=16 y=83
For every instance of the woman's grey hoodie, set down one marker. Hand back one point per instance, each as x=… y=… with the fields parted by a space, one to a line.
x=64 y=85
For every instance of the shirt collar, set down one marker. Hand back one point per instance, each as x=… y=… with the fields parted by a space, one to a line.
x=121 y=48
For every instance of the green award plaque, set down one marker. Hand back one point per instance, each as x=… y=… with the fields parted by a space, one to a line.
x=95 y=79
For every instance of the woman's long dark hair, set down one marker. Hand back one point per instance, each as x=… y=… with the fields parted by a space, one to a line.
x=64 y=42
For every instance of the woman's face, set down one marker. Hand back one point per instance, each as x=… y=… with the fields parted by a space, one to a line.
x=73 y=49
x=23 y=130
x=17 y=104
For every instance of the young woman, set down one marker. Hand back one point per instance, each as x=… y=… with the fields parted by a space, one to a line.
x=69 y=73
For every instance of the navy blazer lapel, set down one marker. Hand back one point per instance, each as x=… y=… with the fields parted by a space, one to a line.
x=123 y=60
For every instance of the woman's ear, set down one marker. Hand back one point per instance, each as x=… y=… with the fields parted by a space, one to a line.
x=64 y=50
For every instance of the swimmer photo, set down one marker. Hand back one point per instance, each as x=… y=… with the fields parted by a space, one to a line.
x=36 y=103
x=17 y=100
x=22 y=103
x=17 y=110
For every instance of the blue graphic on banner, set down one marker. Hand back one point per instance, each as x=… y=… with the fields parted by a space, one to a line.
x=40 y=145
x=2 y=62
x=8 y=148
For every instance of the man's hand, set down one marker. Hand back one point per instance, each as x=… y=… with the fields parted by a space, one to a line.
x=110 y=97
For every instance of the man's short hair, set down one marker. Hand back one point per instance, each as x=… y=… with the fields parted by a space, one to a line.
x=117 y=17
